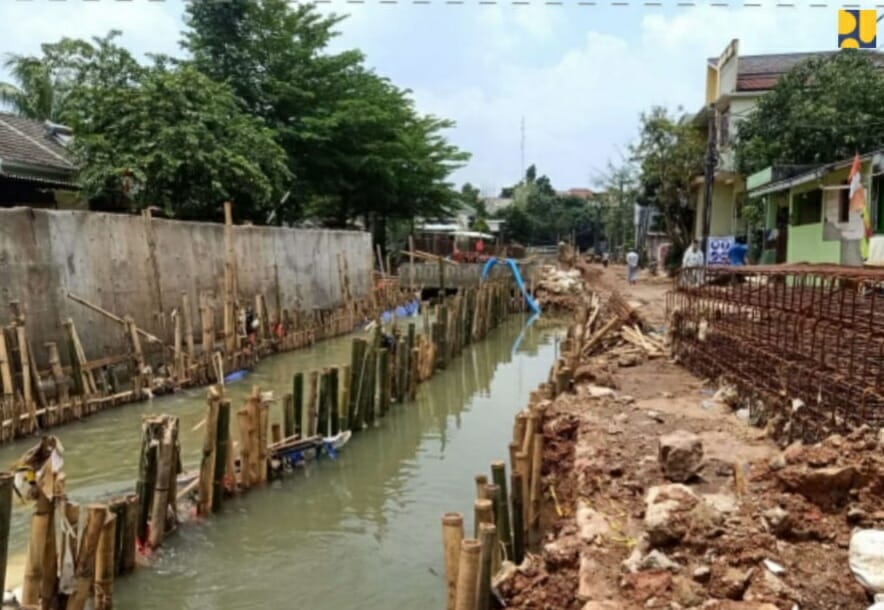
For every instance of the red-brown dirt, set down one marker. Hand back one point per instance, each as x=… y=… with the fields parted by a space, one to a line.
x=769 y=527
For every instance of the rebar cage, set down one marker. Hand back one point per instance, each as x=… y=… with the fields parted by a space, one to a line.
x=806 y=340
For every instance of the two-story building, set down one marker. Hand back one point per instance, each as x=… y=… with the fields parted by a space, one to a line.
x=734 y=83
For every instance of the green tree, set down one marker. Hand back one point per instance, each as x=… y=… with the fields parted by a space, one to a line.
x=823 y=110
x=669 y=153
x=33 y=94
x=355 y=144
x=183 y=137
x=619 y=185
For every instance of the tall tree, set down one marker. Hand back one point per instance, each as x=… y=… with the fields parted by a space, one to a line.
x=355 y=144
x=824 y=109
x=183 y=139
x=669 y=152
x=33 y=94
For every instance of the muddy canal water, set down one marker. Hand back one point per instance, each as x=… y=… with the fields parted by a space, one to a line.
x=362 y=531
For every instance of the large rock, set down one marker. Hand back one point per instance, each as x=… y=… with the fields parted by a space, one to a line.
x=866 y=559
x=825 y=487
x=680 y=455
x=590 y=585
x=590 y=523
x=668 y=513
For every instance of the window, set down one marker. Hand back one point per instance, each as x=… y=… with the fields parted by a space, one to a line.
x=844 y=203
x=724 y=120
x=807 y=208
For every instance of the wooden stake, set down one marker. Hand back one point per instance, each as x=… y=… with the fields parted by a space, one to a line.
x=536 y=464
x=452 y=535
x=207 y=323
x=482 y=513
x=84 y=569
x=130 y=531
x=310 y=407
x=62 y=394
x=297 y=424
x=207 y=465
x=33 y=579
x=188 y=329
x=498 y=475
x=222 y=454
x=481 y=487
x=164 y=483
x=6 y=481
x=104 y=566
x=488 y=539
x=229 y=289
x=468 y=575
x=518 y=522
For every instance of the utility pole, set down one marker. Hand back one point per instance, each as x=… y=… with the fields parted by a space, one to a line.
x=709 y=178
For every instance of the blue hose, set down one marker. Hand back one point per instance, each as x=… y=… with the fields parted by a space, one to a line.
x=517 y=275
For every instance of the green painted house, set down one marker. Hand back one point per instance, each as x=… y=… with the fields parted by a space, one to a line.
x=807 y=215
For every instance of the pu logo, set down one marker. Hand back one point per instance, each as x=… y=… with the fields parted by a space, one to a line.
x=857 y=29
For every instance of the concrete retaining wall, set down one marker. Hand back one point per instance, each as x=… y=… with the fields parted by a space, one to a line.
x=107 y=260
x=459 y=276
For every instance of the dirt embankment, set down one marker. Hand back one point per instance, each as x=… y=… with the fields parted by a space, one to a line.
x=660 y=495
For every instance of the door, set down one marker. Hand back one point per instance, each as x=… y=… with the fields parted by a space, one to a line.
x=782 y=232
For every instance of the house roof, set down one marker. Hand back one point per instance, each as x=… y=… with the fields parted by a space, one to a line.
x=807 y=176
x=761 y=72
x=33 y=143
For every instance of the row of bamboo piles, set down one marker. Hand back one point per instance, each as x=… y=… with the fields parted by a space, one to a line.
x=103 y=540
x=355 y=396
x=508 y=519
x=506 y=514
x=32 y=399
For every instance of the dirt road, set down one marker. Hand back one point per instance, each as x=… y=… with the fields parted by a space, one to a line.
x=665 y=496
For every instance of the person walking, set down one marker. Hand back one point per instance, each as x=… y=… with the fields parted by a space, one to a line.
x=691 y=263
x=631 y=266
x=738 y=252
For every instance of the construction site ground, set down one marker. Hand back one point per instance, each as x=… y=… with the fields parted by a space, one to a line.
x=761 y=526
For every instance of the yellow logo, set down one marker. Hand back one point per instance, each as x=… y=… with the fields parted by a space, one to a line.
x=857 y=29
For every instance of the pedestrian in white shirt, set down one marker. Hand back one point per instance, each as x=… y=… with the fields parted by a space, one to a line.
x=692 y=264
x=631 y=266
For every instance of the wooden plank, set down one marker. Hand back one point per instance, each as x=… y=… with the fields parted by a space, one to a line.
x=229 y=320
x=112 y=316
x=5 y=371
x=188 y=328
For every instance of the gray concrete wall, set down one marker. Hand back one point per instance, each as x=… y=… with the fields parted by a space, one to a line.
x=106 y=259
x=459 y=276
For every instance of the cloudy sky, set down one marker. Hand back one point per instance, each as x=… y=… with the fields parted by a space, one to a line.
x=579 y=75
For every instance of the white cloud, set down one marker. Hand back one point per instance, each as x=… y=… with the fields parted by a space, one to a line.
x=147 y=26
x=579 y=75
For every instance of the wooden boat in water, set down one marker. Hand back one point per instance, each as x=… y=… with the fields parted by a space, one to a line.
x=285 y=455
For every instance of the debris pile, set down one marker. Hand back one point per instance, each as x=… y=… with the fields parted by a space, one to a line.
x=559 y=289
x=643 y=509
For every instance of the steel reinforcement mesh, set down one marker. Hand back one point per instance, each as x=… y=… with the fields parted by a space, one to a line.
x=814 y=333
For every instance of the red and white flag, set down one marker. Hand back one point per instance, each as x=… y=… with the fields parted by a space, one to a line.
x=857 y=192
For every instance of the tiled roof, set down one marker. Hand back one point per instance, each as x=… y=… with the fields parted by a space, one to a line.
x=28 y=141
x=761 y=72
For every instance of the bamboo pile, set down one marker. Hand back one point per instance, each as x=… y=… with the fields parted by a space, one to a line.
x=158 y=471
x=68 y=562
